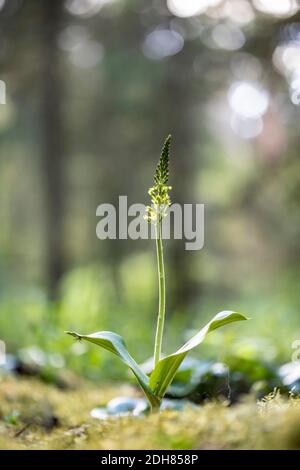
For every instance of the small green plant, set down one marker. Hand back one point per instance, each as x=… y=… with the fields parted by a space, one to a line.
x=164 y=370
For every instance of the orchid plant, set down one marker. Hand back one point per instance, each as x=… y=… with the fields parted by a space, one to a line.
x=157 y=382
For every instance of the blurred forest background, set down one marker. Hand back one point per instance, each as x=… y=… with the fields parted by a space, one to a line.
x=92 y=89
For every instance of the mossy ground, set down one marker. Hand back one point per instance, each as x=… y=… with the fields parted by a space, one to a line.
x=34 y=415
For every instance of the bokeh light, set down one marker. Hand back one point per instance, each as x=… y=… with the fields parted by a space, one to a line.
x=189 y=8
x=162 y=43
x=87 y=54
x=246 y=128
x=72 y=36
x=280 y=8
x=239 y=11
x=286 y=59
x=245 y=66
x=228 y=36
x=83 y=51
x=85 y=8
x=248 y=100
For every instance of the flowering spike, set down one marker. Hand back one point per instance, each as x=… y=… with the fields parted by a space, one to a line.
x=159 y=193
x=162 y=170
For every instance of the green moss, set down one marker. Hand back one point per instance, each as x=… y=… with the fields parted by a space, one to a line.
x=48 y=418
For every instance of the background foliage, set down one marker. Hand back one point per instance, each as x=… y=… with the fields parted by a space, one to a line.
x=93 y=88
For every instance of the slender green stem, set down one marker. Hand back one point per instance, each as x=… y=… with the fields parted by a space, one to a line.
x=161 y=293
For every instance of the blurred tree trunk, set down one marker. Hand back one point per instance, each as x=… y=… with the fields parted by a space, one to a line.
x=176 y=98
x=53 y=142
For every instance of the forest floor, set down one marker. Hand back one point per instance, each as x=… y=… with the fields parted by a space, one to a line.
x=34 y=415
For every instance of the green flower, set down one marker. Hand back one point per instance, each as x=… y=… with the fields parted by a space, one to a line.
x=159 y=193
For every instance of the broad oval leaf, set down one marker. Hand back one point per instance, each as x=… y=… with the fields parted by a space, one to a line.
x=166 y=368
x=116 y=344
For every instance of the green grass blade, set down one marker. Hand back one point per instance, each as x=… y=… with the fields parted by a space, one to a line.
x=116 y=345
x=164 y=372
